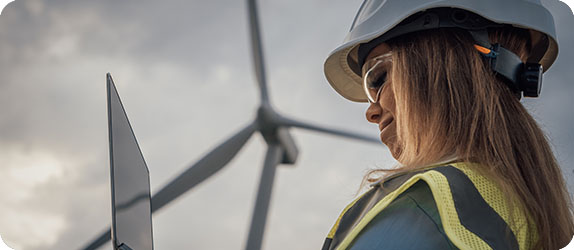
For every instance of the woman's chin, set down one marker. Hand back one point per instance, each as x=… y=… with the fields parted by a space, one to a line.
x=393 y=147
x=388 y=136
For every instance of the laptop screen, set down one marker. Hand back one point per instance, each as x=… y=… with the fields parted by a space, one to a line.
x=131 y=199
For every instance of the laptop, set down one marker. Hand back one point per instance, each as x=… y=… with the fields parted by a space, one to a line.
x=130 y=185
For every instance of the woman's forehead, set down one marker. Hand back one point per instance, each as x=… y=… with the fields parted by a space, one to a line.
x=381 y=49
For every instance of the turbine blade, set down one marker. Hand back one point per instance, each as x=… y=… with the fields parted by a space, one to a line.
x=257 y=50
x=202 y=169
x=293 y=123
x=101 y=240
x=196 y=173
x=259 y=217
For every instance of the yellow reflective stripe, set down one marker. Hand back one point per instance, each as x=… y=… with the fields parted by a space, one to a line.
x=457 y=233
x=376 y=210
x=495 y=199
x=334 y=228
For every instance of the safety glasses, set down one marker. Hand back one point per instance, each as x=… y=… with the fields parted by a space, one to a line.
x=375 y=75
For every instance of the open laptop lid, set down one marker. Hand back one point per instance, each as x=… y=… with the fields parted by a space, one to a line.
x=130 y=185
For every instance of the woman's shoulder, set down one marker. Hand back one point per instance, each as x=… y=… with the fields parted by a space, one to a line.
x=474 y=212
x=393 y=227
x=453 y=200
x=500 y=217
x=451 y=205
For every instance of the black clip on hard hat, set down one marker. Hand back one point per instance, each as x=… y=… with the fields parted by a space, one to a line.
x=520 y=77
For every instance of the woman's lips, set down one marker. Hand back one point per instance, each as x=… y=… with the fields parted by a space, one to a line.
x=385 y=123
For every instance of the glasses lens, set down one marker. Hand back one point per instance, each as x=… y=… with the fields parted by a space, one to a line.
x=375 y=76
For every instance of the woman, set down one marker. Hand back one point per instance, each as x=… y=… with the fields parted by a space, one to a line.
x=444 y=80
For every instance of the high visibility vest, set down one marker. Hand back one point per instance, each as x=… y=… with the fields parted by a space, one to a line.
x=473 y=211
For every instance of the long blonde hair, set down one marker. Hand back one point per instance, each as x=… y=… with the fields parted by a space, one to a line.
x=450 y=103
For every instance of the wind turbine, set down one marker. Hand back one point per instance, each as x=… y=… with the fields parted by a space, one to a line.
x=281 y=149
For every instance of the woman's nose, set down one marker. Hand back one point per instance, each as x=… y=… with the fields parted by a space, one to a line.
x=374 y=113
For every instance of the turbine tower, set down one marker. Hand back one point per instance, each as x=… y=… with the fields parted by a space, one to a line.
x=281 y=149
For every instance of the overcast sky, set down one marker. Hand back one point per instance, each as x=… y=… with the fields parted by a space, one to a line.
x=183 y=70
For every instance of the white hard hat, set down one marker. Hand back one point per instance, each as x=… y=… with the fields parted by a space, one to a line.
x=380 y=20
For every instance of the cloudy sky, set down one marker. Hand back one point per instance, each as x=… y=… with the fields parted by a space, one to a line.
x=183 y=70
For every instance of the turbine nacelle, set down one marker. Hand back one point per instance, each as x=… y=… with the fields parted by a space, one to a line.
x=275 y=131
